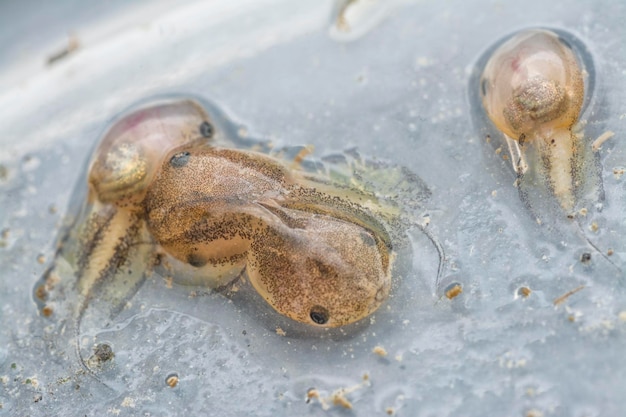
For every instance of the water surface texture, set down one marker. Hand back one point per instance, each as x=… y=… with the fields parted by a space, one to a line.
x=539 y=328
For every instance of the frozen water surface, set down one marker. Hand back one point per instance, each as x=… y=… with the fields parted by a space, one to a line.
x=389 y=79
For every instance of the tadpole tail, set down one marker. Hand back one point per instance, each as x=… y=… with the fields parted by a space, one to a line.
x=79 y=356
x=112 y=264
x=440 y=251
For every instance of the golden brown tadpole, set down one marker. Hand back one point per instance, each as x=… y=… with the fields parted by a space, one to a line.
x=131 y=152
x=532 y=89
x=314 y=254
x=532 y=82
x=167 y=185
x=324 y=272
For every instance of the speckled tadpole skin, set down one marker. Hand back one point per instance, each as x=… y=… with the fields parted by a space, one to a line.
x=223 y=209
x=163 y=185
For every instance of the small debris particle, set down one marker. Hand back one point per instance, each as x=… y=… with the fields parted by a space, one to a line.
x=512 y=363
x=622 y=316
x=595 y=146
x=453 y=290
x=52 y=209
x=585 y=258
x=571 y=318
x=169 y=282
x=172 y=380
x=102 y=353
x=41 y=292
x=565 y=296
x=340 y=399
x=303 y=153
x=524 y=292
x=380 y=351
x=47 y=311
x=13 y=365
x=4 y=172
x=494 y=193
x=72 y=45
x=52 y=279
x=583 y=211
x=4 y=237
x=128 y=402
x=280 y=332
x=64 y=380
x=37 y=398
x=312 y=394
x=243 y=132
x=593 y=227
x=610 y=252
x=534 y=413
x=390 y=411
x=498 y=151
x=41 y=259
x=618 y=172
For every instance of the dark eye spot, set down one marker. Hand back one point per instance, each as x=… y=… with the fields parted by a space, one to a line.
x=180 y=159
x=483 y=87
x=368 y=239
x=206 y=129
x=319 y=315
x=196 y=260
x=103 y=353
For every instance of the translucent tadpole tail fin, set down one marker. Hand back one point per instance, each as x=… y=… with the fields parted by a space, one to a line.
x=113 y=255
x=440 y=252
x=79 y=356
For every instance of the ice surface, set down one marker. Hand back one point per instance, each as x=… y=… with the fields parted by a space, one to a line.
x=398 y=91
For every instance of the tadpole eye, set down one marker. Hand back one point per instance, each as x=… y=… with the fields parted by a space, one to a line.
x=180 y=159
x=206 y=129
x=368 y=239
x=196 y=260
x=319 y=315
